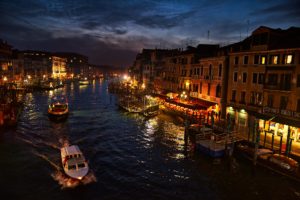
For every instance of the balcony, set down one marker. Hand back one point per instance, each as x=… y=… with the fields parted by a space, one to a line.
x=284 y=112
x=280 y=87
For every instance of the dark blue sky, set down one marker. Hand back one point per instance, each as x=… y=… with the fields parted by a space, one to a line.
x=113 y=31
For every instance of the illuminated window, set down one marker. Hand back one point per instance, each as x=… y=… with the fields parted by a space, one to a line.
x=288 y=59
x=263 y=60
x=275 y=60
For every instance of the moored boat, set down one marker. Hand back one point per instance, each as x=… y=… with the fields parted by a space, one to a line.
x=58 y=108
x=73 y=162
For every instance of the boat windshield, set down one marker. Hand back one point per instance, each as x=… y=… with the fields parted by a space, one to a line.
x=59 y=100
x=72 y=167
x=81 y=165
x=59 y=106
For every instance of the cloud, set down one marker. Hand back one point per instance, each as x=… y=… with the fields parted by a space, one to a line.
x=118 y=29
x=288 y=6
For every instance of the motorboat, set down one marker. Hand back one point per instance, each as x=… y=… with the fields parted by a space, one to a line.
x=58 y=108
x=73 y=162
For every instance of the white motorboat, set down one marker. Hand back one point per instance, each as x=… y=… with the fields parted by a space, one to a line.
x=73 y=162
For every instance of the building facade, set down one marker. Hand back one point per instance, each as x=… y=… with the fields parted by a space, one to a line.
x=263 y=87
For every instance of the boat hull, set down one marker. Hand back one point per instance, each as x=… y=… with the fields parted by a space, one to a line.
x=209 y=150
x=58 y=117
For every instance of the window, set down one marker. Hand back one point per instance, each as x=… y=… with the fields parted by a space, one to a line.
x=283 y=102
x=195 y=87
x=254 y=78
x=81 y=165
x=298 y=105
x=72 y=167
x=252 y=98
x=285 y=81
x=256 y=98
x=201 y=88
x=198 y=71
x=233 y=95
x=256 y=59
x=298 y=80
x=236 y=60
x=234 y=76
x=244 y=77
x=288 y=59
x=208 y=89
x=263 y=60
x=243 y=97
x=274 y=59
x=201 y=70
x=218 y=91
x=270 y=100
x=210 y=70
x=259 y=98
x=260 y=78
x=272 y=79
x=246 y=58
x=220 y=70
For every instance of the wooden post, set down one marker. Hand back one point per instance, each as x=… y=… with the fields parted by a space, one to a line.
x=256 y=142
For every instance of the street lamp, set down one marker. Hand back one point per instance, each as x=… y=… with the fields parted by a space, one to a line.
x=183 y=95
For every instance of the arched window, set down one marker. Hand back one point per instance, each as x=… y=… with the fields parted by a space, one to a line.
x=218 y=91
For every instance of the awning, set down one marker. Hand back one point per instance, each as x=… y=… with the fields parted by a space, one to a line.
x=276 y=118
x=202 y=103
x=190 y=104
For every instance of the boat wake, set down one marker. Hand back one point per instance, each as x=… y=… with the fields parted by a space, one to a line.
x=67 y=182
x=57 y=167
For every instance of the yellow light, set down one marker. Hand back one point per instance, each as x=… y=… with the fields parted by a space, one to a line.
x=263 y=60
x=143 y=86
x=29 y=77
x=289 y=59
x=5 y=78
x=187 y=83
x=243 y=111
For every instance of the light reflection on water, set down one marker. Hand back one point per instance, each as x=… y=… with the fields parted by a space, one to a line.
x=130 y=156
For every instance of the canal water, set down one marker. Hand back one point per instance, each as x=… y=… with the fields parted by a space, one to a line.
x=130 y=157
